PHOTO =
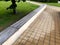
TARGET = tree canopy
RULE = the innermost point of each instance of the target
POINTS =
(45, 0)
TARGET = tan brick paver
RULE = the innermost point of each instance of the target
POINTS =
(45, 30)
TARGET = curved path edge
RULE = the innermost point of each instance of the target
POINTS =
(10, 34)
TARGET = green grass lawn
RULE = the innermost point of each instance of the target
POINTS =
(6, 16)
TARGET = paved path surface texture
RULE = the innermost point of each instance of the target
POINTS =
(45, 30)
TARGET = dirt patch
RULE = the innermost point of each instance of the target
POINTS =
(1, 28)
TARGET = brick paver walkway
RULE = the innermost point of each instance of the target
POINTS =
(45, 30)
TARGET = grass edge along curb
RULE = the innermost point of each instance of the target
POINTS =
(13, 38)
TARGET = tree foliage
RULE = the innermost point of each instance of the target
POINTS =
(45, 0)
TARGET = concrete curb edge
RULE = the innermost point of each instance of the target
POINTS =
(17, 34)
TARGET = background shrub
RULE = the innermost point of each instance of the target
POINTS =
(45, 0)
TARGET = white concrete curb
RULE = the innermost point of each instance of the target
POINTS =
(34, 2)
(14, 37)
(58, 1)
